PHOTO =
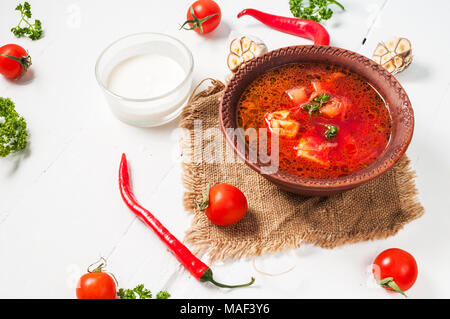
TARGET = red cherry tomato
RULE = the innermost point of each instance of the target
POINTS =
(203, 16)
(96, 285)
(227, 205)
(14, 61)
(398, 265)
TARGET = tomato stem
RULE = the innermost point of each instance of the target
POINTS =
(203, 204)
(196, 22)
(390, 284)
(100, 267)
(25, 62)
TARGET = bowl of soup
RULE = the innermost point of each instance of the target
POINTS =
(316, 120)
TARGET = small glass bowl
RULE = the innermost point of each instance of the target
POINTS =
(154, 110)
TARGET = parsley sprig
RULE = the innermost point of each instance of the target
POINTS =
(33, 31)
(311, 108)
(314, 106)
(316, 10)
(331, 131)
(322, 99)
(141, 292)
(162, 295)
(13, 129)
(316, 103)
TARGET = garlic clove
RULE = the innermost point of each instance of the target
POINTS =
(403, 46)
(390, 66)
(385, 58)
(236, 47)
(247, 56)
(234, 61)
(408, 59)
(380, 50)
(391, 44)
(258, 49)
(246, 44)
(398, 61)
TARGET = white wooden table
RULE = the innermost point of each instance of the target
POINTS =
(60, 207)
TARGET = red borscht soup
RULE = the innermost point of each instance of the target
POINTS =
(330, 122)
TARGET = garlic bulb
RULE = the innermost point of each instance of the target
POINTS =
(395, 55)
(243, 50)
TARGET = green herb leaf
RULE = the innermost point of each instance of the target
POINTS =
(316, 10)
(316, 104)
(126, 294)
(322, 99)
(138, 291)
(162, 295)
(331, 131)
(311, 108)
(13, 129)
(142, 292)
(33, 31)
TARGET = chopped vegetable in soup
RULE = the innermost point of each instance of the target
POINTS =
(329, 120)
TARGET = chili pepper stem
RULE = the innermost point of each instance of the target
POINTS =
(208, 276)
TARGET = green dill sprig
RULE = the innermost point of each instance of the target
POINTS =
(32, 31)
(316, 10)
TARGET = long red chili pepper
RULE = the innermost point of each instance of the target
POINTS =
(194, 265)
(301, 27)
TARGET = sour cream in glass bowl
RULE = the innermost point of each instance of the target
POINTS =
(146, 78)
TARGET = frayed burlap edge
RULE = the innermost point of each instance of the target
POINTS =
(409, 202)
(197, 236)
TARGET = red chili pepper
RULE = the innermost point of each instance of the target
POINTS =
(194, 265)
(301, 27)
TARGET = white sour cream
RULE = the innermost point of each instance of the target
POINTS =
(145, 76)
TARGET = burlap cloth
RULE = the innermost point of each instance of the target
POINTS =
(277, 220)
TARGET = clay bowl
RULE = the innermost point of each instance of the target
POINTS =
(393, 93)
